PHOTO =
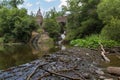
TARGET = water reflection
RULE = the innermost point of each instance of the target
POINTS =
(114, 60)
(13, 55)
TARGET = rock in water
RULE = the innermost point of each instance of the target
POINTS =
(114, 70)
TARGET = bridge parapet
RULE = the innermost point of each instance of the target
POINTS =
(61, 19)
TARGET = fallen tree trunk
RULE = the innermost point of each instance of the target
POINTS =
(103, 53)
(114, 70)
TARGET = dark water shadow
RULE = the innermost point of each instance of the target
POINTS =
(14, 55)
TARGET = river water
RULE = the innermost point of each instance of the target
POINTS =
(13, 55)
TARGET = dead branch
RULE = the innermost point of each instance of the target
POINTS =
(103, 53)
(63, 70)
(45, 75)
(58, 74)
(28, 78)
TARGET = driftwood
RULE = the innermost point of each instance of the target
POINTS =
(114, 70)
(28, 78)
(64, 70)
(62, 75)
(103, 53)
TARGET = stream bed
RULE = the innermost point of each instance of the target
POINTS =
(70, 64)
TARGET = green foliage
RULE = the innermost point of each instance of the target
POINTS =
(15, 3)
(40, 30)
(93, 42)
(1, 39)
(10, 3)
(16, 25)
(109, 13)
(83, 18)
(90, 26)
(52, 27)
(112, 30)
(108, 9)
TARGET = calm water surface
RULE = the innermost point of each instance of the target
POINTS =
(13, 55)
(114, 60)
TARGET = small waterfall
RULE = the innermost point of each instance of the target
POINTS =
(62, 36)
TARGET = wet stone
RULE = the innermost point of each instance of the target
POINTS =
(118, 78)
(102, 77)
(86, 75)
(99, 72)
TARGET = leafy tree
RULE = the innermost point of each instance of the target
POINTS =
(53, 28)
(108, 9)
(4, 3)
(16, 25)
(51, 25)
(111, 31)
(15, 3)
(10, 3)
(109, 13)
(83, 19)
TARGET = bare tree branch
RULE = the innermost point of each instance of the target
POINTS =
(28, 78)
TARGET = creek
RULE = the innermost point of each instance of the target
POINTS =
(60, 42)
(14, 55)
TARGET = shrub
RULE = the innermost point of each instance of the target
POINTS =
(112, 31)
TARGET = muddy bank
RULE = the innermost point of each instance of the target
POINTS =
(70, 64)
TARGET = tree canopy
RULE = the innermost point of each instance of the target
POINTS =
(51, 25)
(15, 3)
(15, 24)
(11, 3)
(109, 13)
(84, 16)
(108, 9)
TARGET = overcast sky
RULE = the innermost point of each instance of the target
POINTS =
(45, 5)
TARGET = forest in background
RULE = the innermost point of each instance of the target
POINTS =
(88, 22)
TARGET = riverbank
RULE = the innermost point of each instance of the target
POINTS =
(70, 64)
